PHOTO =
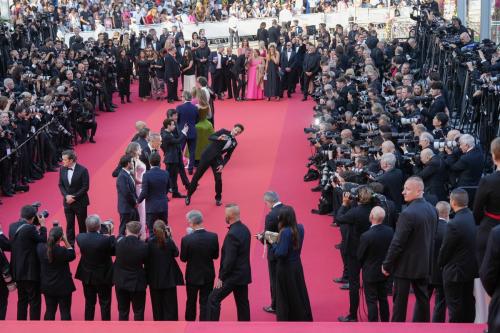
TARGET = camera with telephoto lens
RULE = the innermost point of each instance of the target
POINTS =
(107, 227)
(409, 121)
(44, 213)
(441, 144)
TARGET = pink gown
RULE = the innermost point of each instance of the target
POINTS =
(254, 91)
(140, 169)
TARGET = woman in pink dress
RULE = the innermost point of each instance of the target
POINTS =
(255, 83)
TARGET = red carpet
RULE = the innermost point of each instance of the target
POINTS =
(271, 154)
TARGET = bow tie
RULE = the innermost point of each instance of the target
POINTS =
(70, 169)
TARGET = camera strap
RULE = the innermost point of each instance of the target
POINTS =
(19, 229)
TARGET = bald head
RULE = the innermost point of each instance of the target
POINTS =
(426, 155)
(413, 189)
(443, 209)
(232, 213)
(377, 215)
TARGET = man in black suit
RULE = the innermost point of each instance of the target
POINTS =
(229, 76)
(155, 186)
(272, 202)
(458, 260)
(188, 114)
(234, 273)
(468, 167)
(129, 275)
(409, 256)
(287, 64)
(215, 156)
(181, 49)
(433, 174)
(490, 277)
(373, 246)
(438, 105)
(436, 282)
(172, 154)
(24, 237)
(274, 32)
(310, 68)
(392, 179)
(172, 73)
(199, 249)
(240, 71)
(262, 34)
(127, 195)
(215, 66)
(201, 58)
(95, 267)
(74, 187)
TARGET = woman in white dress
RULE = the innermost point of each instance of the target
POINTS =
(134, 150)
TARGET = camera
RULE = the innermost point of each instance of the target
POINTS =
(443, 144)
(409, 121)
(107, 227)
(43, 214)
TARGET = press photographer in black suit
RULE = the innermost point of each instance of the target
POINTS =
(74, 187)
(57, 283)
(234, 273)
(24, 237)
(199, 249)
(434, 175)
(373, 246)
(409, 256)
(129, 275)
(127, 195)
(490, 277)
(458, 260)
(392, 179)
(95, 268)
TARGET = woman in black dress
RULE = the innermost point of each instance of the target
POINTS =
(163, 273)
(56, 282)
(272, 73)
(123, 74)
(292, 299)
(143, 66)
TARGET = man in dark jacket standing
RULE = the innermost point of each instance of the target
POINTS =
(490, 277)
(373, 246)
(129, 275)
(234, 273)
(458, 260)
(410, 253)
(199, 249)
(95, 267)
(172, 155)
(188, 114)
(172, 73)
(127, 195)
(25, 267)
(310, 68)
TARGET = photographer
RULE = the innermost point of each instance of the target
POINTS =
(466, 165)
(391, 178)
(433, 173)
(24, 237)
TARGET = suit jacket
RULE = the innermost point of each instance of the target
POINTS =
(215, 150)
(127, 195)
(457, 256)
(128, 270)
(358, 220)
(274, 34)
(212, 67)
(155, 185)
(79, 186)
(490, 267)
(239, 65)
(373, 246)
(393, 186)
(311, 63)
(161, 267)
(199, 250)
(437, 271)
(188, 114)
(285, 62)
(171, 146)
(469, 167)
(411, 250)
(229, 63)
(435, 177)
(56, 276)
(271, 224)
(95, 266)
(172, 68)
(24, 239)
(263, 35)
(146, 152)
(235, 256)
(180, 54)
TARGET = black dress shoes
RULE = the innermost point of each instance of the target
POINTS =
(218, 203)
(269, 309)
(345, 286)
(178, 195)
(187, 200)
(347, 318)
(340, 280)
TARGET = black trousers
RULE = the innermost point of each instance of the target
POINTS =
(204, 165)
(420, 287)
(217, 81)
(439, 312)
(271, 265)
(191, 144)
(152, 217)
(460, 301)
(353, 270)
(231, 85)
(127, 217)
(28, 293)
(287, 83)
(192, 292)
(91, 292)
(307, 81)
(124, 86)
(164, 304)
(175, 170)
(376, 300)
(51, 304)
(242, 84)
(240, 297)
(4, 300)
(80, 213)
(172, 89)
(84, 127)
(125, 298)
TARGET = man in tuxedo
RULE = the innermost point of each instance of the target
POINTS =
(410, 253)
(287, 64)
(95, 267)
(74, 187)
(181, 49)
(458, 260)
(172, 73)
(229, 77)
(199, 249)
(152, 146)
(272, 201)
(372, 250)
(489, 274)
(215, 63)
(201, 58)
(155, 186)
(127, 195)
(392, 179)
(188, 114)
(174, 115)
(129, 275)
(240, 71)
(24, 237)
(234, 273)
(296, 29)
(310, 68)
(216, 156)
(171, 146)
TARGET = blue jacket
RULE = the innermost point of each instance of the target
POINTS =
(127, 196)
(188, 114)
(155, 185)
